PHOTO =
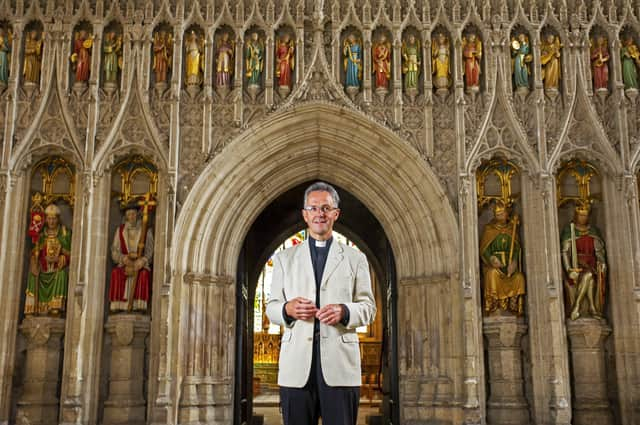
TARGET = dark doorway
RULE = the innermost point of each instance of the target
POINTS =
(279, 220)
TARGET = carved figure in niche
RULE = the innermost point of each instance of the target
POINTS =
(81, 57)
(112, 49)
(32, 57)
(352, 54)
(472, 53)
(584, 263)
(550, 60)
(381, 53)
(440, 65)
(162, 54)
(600, 63)
(132, 252)
(501, 254)
(194, 49)
(49, 263)
(630, 56)
(285, 60)
(5, 55)
(224, 61)
(411, 62)
(254, 59)
(521, 59)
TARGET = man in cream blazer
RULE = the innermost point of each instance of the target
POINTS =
(321, 292)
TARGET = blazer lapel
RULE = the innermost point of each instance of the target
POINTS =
(304, 260)
(333, 260)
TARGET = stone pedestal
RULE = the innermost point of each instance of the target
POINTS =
(39, 402)
(253, 90)
(284, 91)
(588, 371)
(506, 404)
(352, 91)
(126, 403)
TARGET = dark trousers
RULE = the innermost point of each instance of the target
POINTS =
(335, 405)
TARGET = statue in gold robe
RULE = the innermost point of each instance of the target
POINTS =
(550, 60)
(501, 254)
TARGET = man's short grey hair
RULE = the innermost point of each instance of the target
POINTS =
(322, 187)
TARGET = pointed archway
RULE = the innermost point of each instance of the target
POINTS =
(317, 142)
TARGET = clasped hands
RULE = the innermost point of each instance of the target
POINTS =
(133, 261)
(304, 309)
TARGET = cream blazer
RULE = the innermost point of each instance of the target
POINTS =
(346, 280)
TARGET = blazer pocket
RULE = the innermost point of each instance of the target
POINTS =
(350, 337)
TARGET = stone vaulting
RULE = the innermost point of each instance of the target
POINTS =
(407, 135)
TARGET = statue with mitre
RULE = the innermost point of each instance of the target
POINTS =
(132, 252)
(49, 262)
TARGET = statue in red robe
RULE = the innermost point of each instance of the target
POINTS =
(81, 57)
(132, 252)
(471, 54)
(600, 63)
(585, 265)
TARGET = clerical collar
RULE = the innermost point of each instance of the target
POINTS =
(320, 244)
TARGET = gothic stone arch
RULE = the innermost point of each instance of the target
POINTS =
(317, 141)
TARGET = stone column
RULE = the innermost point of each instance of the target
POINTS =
(507, 404)
(589, 374)
(39, 401)
(126, 402)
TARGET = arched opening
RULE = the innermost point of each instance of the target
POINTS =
(315, 142)
(379, 393)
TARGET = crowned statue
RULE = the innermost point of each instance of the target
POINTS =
(584, 263)
(501, 255)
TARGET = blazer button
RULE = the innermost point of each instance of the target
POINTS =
(309, 339)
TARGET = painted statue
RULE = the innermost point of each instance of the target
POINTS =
(352, 54)
(81, 57)
(194, 49)
(49, 266)
(381, 62)
(132, 252)
(224, 61)
(585, 265)
(472, 53)
(440, 64)
(162, 55)
(550, 61)
(600, 63)
(411, 62)
(254, 59)
(5, 55)
(521, 59)
(112, 59)
(285, 60)
(32, 57)
(501, 255)
(630, 57)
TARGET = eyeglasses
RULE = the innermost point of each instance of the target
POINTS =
(326, 209)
